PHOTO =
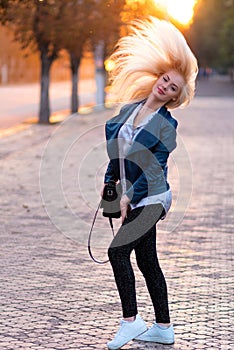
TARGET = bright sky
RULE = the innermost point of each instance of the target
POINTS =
(180, 10)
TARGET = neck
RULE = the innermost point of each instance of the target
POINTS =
(153, 104)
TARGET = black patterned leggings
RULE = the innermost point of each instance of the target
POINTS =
(138, 233)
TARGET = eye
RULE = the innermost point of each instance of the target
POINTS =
(165, 79)
(174, 88)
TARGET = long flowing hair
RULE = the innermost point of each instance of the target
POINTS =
(152, 48)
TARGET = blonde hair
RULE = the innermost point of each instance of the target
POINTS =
(152, 48)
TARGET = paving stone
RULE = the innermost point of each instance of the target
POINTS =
(53, 296)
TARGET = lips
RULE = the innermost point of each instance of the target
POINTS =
(160, 91)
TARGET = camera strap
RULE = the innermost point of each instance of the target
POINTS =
(90, 235)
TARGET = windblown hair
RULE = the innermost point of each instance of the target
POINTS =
(152, 48)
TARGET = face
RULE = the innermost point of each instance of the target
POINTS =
(168, 86)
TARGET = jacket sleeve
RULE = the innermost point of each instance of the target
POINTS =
(168, 135)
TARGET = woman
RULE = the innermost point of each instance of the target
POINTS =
(155, 70)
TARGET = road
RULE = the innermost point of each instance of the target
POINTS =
(20, 102)
(53, 296)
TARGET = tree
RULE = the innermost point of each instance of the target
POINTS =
(226, 47)
(211, 32)
(27, 20)
(105, 31)
(46, 37)
(68, 26)
(76, 19)
(204, 31)
(110, 22)
(142, 8)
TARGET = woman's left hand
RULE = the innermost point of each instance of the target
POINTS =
(124, 202)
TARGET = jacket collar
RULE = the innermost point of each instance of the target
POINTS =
(149, 133)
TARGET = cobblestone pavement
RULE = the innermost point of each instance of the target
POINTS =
(53, 296)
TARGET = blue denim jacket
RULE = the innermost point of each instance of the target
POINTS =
(146, 161)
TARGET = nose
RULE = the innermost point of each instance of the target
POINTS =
(164, 86)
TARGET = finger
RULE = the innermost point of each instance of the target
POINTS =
(124, 214)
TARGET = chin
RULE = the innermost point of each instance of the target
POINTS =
(159, 97)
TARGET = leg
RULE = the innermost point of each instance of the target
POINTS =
(147, 260)
(132, 234)
(119, 255)
(133, 231)
(124, 278)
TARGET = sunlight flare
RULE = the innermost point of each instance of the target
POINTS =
(181, 10)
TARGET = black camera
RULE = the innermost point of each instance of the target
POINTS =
(111, 200)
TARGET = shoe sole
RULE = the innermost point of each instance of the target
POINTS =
(155, 340)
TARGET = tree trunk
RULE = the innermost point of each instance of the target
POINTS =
(75, 63)
(44, 112)
(100, 75)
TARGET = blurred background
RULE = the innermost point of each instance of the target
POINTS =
(48, 41)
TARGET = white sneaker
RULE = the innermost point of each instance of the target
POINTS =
(158, 335)
(127, 332)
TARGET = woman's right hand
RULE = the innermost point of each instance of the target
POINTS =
(124, 202)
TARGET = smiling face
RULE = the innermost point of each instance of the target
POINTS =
(168, 86)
